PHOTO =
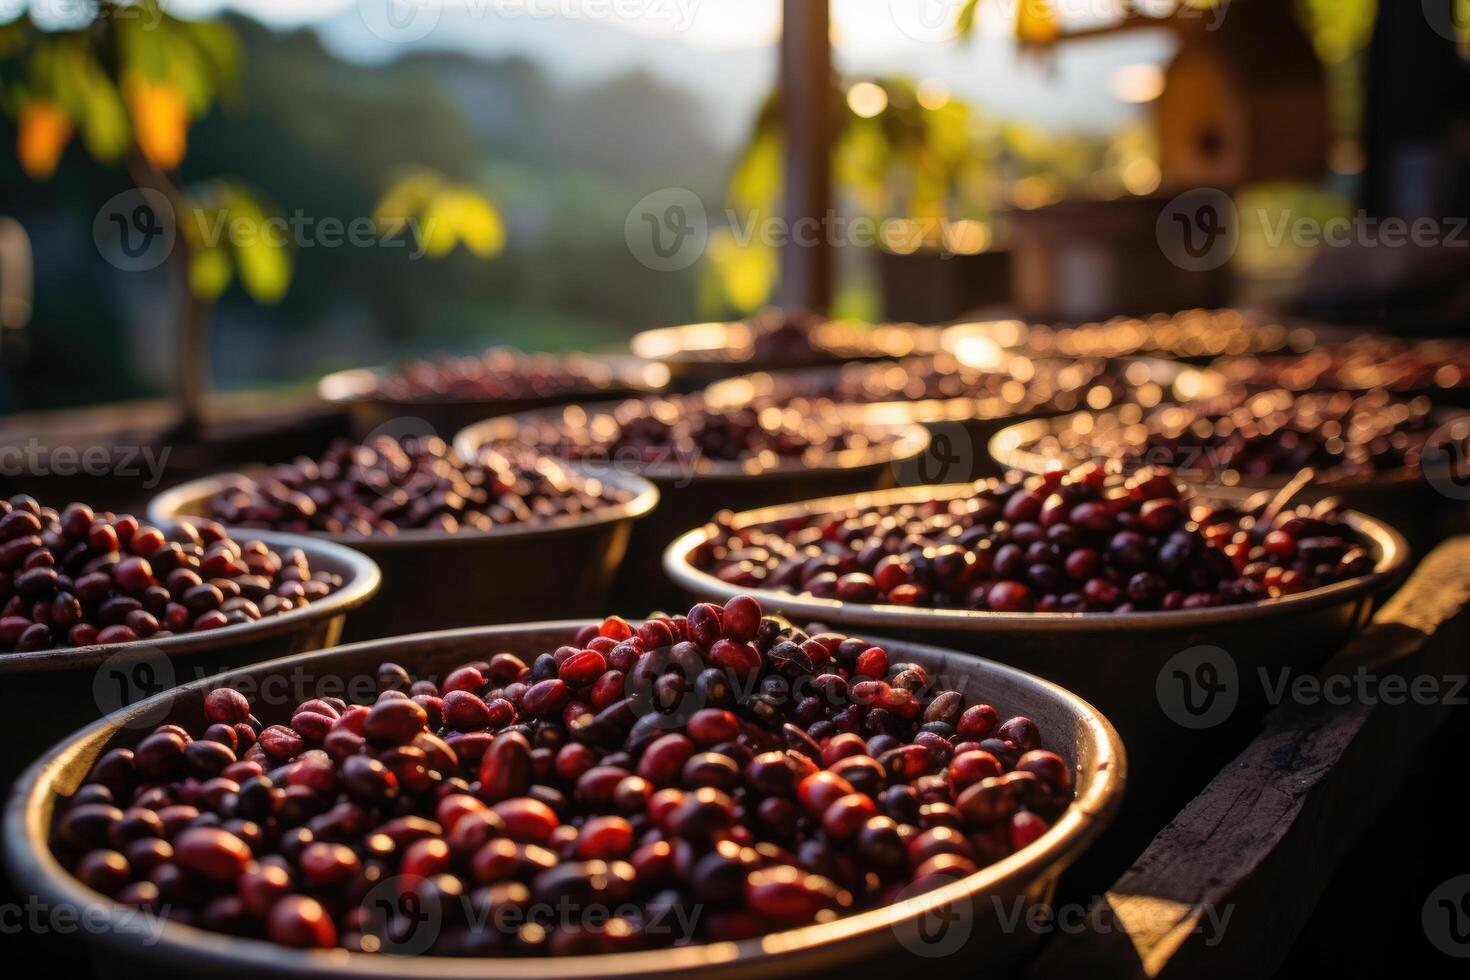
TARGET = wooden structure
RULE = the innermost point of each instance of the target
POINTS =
(807, 120)
(1245, 101)
(1262, 841)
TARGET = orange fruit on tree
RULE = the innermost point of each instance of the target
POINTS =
(160, 121)
(43, 133)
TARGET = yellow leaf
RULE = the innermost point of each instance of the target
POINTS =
(265, 269)
(1036, 22)
(160, 121)
(406, 199)
(441, 214)
(209, 273)
(439, 232)
(43, 133)
(480, 227)
(746, 273)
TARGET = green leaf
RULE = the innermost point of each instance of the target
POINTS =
(106, 130)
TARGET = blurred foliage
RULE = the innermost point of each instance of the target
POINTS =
(924, 157)
(165, 104)
(135, 78)
(1036, 21)
(1339, 28)
(132, 79)
(563, 163)
(233, 235)
(442, 214)
(130, 76)
(1268, 248)
(1340, 31)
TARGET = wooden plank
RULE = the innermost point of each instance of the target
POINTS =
(1225, 888)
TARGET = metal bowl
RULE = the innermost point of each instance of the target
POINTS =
(1197, 336)
(355, 391)
(1117, 661)
(434, 580)
(964, 920)
(690, 495)
(1409, 499)
(698, 354)
(964, 427)
(47, 693)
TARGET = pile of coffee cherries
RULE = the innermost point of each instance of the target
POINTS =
(417, 482)
(714, 776)
(1255, 435)
(1020, 386)
(1394, 364)
(689, 431)
(78, 577)
(778, 336)
(781, 338)
(1188, 333)
(1063, 542)
(496, 375)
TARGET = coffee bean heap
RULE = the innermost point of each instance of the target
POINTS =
(76, 577)
(715, 776)
(1256, 435)
(688, 430)
(1063, 542)
(413, 483)
(496, 375)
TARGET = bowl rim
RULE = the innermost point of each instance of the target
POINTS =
(29, 859)
(911, 440)
(1009, 448)
(362, 581)
(1014, 333)
(168, 506)
(356, 386)
(1393, 552)
(964, 408)
(661, 345)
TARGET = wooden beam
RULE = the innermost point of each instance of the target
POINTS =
(1226, 887)
(806, 100)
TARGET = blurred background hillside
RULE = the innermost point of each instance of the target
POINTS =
(564, 122)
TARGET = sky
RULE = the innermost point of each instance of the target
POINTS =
(722, 50)
(862, 24)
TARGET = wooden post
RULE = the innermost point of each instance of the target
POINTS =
(806, 94)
